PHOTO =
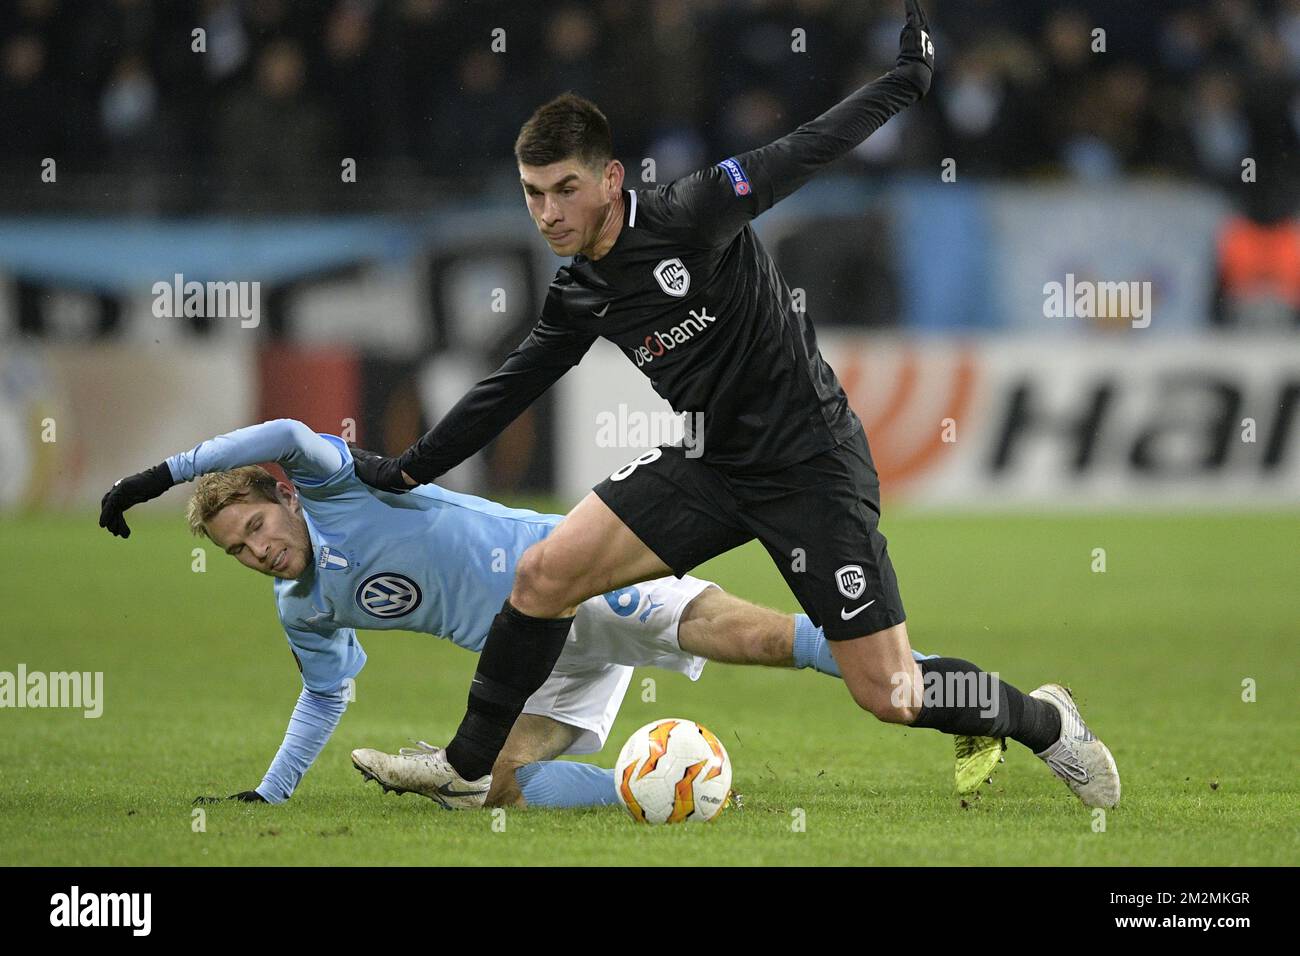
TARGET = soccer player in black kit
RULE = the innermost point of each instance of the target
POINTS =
(677, 279)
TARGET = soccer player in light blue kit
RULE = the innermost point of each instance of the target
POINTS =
(347, 556)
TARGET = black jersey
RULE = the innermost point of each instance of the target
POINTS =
(696, 304)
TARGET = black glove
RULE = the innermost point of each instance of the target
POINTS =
(129, 491)
(378, 471)
(245, 796)
(915, 49)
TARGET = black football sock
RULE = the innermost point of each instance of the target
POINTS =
(518, 656)
(959, 698)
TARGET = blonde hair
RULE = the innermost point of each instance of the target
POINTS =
(215, 491)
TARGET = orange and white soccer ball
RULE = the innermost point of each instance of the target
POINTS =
(673, 771)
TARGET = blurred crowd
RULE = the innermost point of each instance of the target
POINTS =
(282, 89)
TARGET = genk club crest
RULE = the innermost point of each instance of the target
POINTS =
(673, 277)
(851, 581)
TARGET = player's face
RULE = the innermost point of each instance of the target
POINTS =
(570, 202)
(270, 537)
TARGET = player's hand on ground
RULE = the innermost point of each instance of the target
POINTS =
(916, 49)
(379, 471)
(129, 491)
(244, 796)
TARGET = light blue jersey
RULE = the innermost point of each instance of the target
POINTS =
(431, 560)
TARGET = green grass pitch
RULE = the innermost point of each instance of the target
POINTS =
(199, 683)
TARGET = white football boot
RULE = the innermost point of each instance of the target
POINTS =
(424, 770)
(1078, 757)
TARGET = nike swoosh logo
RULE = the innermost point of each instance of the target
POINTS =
(446, 791)
(601, 313)
(846, 615)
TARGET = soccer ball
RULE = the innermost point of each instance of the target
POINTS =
(673, 771)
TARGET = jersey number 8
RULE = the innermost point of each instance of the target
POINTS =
(652, 455)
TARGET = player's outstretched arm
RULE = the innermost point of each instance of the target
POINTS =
(719, 200)
(326, 661)
(311, 725)
(483, 413)
(915, 49)
(304, 454)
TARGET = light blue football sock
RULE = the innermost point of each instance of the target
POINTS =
(562, 783)
(811, 649)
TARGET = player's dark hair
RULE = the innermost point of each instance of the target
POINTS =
(568, 126)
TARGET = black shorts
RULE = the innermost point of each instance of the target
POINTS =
(818, 520)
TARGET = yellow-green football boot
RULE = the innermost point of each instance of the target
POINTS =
(977, 758)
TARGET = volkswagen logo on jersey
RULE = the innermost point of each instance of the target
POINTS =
(673, 277)
(388, 595)
(851, 581)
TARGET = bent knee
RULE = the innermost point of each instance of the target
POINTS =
(888, 703)
(530, 571)
(545, 585)
(541, 587)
